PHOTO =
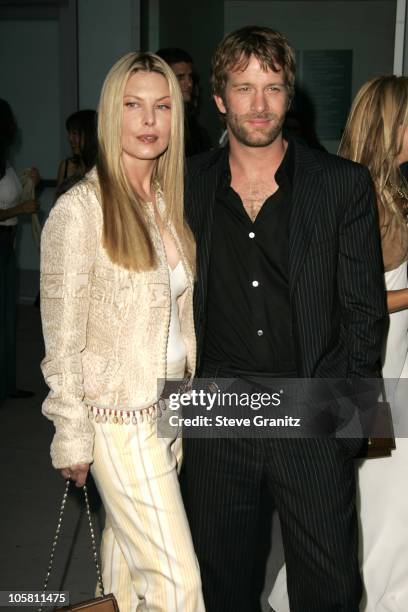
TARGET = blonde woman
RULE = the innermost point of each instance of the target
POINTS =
(376, 135)
(116, 290)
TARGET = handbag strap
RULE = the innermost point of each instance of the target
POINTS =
(57, 532)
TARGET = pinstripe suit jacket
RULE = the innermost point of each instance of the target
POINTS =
(335, 267)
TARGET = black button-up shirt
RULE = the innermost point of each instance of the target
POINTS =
(249, 325)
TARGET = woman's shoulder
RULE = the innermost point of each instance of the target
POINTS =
(10, 173)
(82, 200)
(84, 190)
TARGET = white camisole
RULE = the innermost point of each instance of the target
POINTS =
(176, 350)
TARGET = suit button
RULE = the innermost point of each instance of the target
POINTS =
(255, 283)
(260, 332)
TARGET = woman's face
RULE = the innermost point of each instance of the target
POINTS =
(146, 117)
(74, 138)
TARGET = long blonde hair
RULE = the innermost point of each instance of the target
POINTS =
(373, 135)
(126, 236)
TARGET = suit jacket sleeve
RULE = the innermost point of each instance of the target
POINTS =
(360, 279)
(67, 255)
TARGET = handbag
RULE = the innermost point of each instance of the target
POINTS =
(374, 447)
(104, 603)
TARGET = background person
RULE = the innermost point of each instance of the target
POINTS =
(376, 135)
(116, 299)
(197, 139)
(81, 131)
(11, 208)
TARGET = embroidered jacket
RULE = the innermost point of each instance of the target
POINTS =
(105, 328)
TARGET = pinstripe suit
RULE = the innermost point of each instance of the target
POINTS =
(338, 313)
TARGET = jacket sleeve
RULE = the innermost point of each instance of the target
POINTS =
(68, 249)
(361, 280)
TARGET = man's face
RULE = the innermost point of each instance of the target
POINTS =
(184, 74)
(255, 102)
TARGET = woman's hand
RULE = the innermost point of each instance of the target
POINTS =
(77, 473)
(28, 207)
(34, 175)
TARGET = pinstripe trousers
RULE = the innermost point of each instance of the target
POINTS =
(313, 488)
(148, 560)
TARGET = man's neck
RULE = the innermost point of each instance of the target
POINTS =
(253, 173)
(249, 162)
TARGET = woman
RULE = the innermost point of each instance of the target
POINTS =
(376, 135)
(11, 207)
(81, 129)
(116, 292)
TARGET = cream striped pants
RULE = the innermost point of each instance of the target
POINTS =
(148, 560)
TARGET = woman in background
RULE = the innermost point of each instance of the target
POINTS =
(11, 207)
(376, 135)
(116, 299)
(81, 129)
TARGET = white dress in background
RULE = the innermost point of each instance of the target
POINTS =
(383, 483)
(382, 489)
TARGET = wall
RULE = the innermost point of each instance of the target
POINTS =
(365, 26)
(196, 27)
(403, 43)
(30, 83)
(37, 49)
(106, 31)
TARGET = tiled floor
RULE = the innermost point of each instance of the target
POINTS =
(32, 491)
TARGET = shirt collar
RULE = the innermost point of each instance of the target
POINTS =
(284, 174)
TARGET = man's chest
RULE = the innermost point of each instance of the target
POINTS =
(253, 194)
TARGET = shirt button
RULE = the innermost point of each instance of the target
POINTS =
(260, 332)
(255, 283)
(251, 234)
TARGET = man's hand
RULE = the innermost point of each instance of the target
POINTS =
(77, 473)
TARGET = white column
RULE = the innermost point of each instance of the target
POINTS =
(400, 28)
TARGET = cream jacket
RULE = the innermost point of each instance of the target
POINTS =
(105, 328)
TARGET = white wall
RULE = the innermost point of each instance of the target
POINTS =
(365, 26)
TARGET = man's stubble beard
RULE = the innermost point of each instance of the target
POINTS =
(254, 138)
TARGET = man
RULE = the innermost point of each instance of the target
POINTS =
(196, 137)
(289, 284)
(182, 65)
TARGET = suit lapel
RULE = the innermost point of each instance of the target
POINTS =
(203, 194)
(306, 199)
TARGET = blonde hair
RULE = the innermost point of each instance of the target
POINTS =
(126, 235)
(373, 135)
